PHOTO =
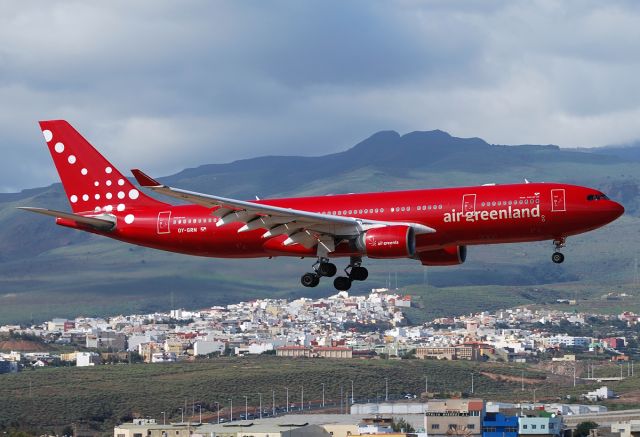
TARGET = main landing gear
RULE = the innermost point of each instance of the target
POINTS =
(354, 272)
(321, 268)
(558, 257)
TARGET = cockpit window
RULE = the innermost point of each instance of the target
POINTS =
(598, 196)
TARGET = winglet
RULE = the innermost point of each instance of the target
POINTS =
(144, 180)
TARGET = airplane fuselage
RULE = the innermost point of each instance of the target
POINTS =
(463, 216)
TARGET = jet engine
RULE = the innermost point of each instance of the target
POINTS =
(447, 256)
(388, 242)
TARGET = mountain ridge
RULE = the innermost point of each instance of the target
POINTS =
(42, 262)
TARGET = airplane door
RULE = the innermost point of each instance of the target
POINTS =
(163, 222)
(468, 203)
(558, 200)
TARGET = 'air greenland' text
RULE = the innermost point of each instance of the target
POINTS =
(509, 213)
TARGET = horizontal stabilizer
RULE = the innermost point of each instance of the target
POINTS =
(97, 223)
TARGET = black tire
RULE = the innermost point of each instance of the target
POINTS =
(557, 257)
(342, 283)
(327, 269)
(359, 273)
(309, 280)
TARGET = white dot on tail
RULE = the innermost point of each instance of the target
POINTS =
(108, 208)
(121, 182)
(108, 170)
(109, 196)
(59, 147)
(108, 183)
(73, 198)
(129, 218)
(85, 197)
(121, 195)
(121, 207)
(48, 136)
(71, 159)
(133, 194)
(97, 209)
(84, 171)
(97, 197)
(96, 183)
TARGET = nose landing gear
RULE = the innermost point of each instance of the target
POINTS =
(558, 257)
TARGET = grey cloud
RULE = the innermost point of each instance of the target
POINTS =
(164, 85)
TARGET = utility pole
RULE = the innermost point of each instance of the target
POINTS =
(522, 381)
(341, 399)
(218, 408)
(352, 400)
(231, 410)
(246, 408)
(574, 375)
(323, 395)
(287, 389)
(260, 396)
(302, 398)
(386, 389)
(273, 400)
(426, 384)
(471, 382)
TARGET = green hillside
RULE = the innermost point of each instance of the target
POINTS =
(48, 271)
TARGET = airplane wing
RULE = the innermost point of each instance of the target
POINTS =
(302, 227)
(97, 223)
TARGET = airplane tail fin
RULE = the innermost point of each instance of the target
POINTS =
(92, 183)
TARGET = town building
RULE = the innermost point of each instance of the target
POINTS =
(85, 359)
(545, 425)
(499, 425)
(454, 416)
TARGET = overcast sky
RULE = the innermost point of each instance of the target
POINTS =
(168, 85)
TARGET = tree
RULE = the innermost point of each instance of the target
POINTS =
(583, 428)
(402, 426)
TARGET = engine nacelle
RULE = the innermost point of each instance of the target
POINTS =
(388, 242)
(447, 256)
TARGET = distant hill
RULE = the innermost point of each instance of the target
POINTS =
(41, 262)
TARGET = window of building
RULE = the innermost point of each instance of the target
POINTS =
(534, 426)
(551, 425)
(542, 427)
(525, 426)
(471, 426)
(435, 426)
(137, 434)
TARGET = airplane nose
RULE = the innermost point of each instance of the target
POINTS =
(614, 210)
(618, 209)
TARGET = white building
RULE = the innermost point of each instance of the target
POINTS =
(204, 347)
(599, 394)
(84, 359)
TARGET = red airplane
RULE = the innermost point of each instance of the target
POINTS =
(433, 226)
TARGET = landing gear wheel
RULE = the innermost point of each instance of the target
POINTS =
(342, 283)
(327, 269)
(359, 273)
(557, 257)
(310, 280)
